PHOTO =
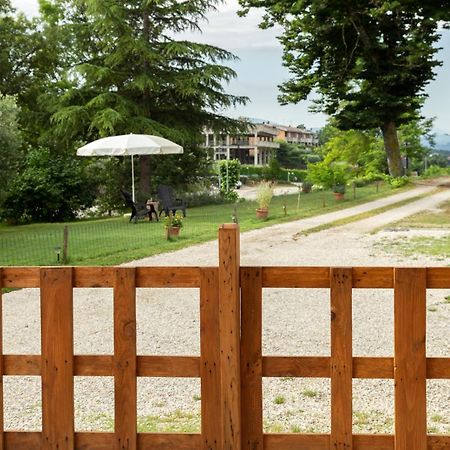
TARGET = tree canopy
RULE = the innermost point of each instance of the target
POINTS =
(369, 60)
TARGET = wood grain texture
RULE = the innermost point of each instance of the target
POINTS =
(296, 366)
(251, 359)
(341, 358)
(410, 359)
(57, 358)
(229, 327)
(296, 277)
(104, 441)
(125, 383)
(21, 277)
(438, 277)
(210, 361)
(2, 369)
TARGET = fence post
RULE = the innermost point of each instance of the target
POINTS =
(57, 358)
(410, 359)
(210, 360)
(1, 363)
(125, 360)
(341, 358)
(229, 330)
(251, 359)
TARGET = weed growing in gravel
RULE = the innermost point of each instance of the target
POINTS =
(310, 393)
(447, 299)
(296, 429)
(197, 397)
(177, 422)
(432, 308)
(438, 418)
(279, 400)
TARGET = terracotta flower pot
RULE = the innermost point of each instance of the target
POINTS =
(173, 231)
(262, 213)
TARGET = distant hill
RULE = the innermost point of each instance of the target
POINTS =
(442, 142)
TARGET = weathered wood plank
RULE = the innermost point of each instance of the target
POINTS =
(210, 360)
(296, 277)
(229, 327)
(2, 369)
(410, 359)
(251, 359)
(125, 383)
(20, 277)
(104, 441)
(341, 358)
(438, 277)
(373, 277)
(57, 358)
(160, 277)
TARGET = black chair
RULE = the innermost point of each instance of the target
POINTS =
(169, 202)
(138, 210)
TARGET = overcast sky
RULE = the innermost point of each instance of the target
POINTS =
(260, 70)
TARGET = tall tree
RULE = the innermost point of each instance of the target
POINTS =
(10, 142)
(133, 75)
(369, 59)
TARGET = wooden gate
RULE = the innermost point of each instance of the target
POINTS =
(231, 365)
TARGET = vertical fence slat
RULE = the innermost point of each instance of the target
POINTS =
(410, 359)
(229, 328)
(125, 384)
(251, 359)
(210, 360)
(341, 358)
(2, 426)
(57, 358)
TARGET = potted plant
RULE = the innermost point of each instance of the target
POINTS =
(339, 191)
(263, 198)
(306, 186)
(172, 224)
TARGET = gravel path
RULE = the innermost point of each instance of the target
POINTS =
(296, 322)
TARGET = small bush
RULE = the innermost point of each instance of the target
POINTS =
(397, 182)
(436, 171)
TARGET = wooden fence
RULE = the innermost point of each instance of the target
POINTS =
(231, 365)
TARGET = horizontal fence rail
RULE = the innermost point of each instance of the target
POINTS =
(231, 365)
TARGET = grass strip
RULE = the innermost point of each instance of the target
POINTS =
(361, 216)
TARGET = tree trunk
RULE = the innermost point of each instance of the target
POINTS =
(144, 160)
(392, 147)
(144, 174)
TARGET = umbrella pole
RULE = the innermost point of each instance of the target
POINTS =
(132, 178)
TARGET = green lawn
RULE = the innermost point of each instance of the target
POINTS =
(115, 240)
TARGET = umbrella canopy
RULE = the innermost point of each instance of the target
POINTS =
(130, 145)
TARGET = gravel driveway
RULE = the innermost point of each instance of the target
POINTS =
(295, 322)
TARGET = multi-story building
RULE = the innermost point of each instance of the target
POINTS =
(256, 147)
(297, 135)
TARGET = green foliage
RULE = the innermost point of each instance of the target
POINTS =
(273, 170)
(292, 156)
(370, 61)
(328, 175)
(48, 188)
(10, 141)
(256, 173)
(397, 182)
(435, 171)
(173, 220)
(229, 171)
(264, 194)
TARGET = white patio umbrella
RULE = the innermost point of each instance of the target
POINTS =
(130, 145)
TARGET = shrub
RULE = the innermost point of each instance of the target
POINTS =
(229, 176)
(50, 188)
(264, 195)
(435, 171)
(397, 182)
